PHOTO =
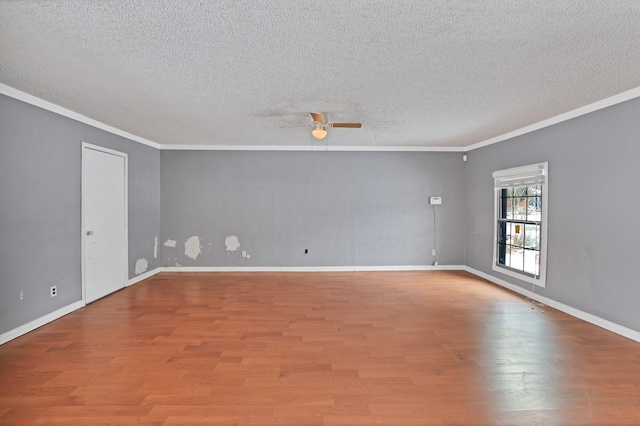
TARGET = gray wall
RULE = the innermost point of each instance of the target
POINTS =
(346, 208)
(40, 176)
(594, 234)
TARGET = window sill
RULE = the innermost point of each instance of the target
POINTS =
(540, 282)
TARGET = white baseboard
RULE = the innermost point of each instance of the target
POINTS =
(410, 268)
(310, 268)
(39, 322)
(600, 322)
(144, 276)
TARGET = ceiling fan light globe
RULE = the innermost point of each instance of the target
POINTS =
(319, 133)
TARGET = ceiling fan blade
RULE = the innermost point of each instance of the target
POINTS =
(350, 125)
(317, 117)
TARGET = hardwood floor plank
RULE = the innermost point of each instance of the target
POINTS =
(352, 348)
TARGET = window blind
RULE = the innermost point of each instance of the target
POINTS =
(519, 176)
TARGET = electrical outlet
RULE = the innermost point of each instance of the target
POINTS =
(244, 253)
(54, 291)
(21, 294)
(306, 251)
(433, 252)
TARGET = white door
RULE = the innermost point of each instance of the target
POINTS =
(104, 221)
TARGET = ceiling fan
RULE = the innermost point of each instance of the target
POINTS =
(320, 122)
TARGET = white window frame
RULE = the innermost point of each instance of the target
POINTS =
(521, 176)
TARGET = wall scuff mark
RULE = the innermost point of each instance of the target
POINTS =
(155, 249)
(141, 266)
(192, 247)
(232, 243)
(170, 243)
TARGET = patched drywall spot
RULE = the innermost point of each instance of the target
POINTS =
(232, 243)
(155, 249)
(141, 266)
(192, 247)
(170, 243)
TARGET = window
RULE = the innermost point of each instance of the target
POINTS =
(520, 220)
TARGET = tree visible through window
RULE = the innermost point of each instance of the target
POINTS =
(519, 224)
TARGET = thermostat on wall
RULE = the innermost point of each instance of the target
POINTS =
(435, 201)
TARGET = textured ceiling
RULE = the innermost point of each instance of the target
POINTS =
(446, 73)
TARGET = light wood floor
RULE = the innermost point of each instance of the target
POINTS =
(384, 348)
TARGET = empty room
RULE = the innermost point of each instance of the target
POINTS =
(329, 213)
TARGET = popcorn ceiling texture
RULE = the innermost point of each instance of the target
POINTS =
(415, 73)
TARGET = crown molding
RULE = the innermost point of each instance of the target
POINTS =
(333, 148)
(41, 103)
(601, 104)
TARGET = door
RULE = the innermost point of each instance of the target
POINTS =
(104, 221)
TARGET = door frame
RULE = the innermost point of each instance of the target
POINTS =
(86, 145)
